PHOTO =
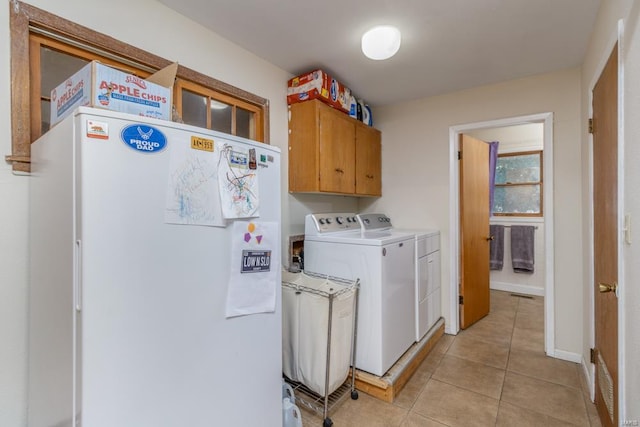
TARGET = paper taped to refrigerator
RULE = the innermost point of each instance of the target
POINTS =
(192, 191)
(255, 262)
(238, 183)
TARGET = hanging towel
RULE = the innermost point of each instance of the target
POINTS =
(522, 248)
(496, 247)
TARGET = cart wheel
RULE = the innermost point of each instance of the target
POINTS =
(327, 422)
(354, 395)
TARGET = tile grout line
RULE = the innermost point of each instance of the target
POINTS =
(508, 358)
(504, 379)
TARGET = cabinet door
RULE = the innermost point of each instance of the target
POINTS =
(368, 161)
(303, 147)
(337, 152)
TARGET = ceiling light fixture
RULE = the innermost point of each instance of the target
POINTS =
(381, 42)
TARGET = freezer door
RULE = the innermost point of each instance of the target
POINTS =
(156, 348)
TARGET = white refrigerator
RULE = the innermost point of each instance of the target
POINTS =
(133, 256)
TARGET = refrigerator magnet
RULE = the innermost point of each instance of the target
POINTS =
(202, 144)
(99, 130)
(143, 138)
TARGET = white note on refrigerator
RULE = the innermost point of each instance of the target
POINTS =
(255, 262)
(239, 195)
(192, 190)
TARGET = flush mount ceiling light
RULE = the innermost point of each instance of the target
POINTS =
(381, 42)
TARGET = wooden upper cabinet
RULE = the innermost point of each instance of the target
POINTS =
(368, 161)
(337, 152)
(328, 151)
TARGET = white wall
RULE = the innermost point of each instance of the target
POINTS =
(415, 172)
(150, 26)
(527, 137)
(602, 39)
(523, 283)
(13, 260)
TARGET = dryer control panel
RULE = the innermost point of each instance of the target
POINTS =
(374, 222)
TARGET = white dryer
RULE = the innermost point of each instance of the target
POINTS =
(427, 287)
(427, 272)
(384, 261)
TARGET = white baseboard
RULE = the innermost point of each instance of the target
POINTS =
(588, 370)
(567, 355)
(449, 330)
(518, 289)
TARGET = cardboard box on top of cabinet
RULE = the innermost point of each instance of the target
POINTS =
(97, 85)
(318, 85)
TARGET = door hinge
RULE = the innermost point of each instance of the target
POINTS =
(590, 125)
(459, 155)
(460, 299)
(592, 355)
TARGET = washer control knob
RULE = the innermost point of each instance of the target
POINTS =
(339, 220)
(328, 220)
(366, 221)
(321, 220)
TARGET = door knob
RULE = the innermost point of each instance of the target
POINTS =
(490, 238)
(605, 287)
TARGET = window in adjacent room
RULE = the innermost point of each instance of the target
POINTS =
(519, 184)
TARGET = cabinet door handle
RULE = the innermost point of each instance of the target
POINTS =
(370, 176)
(339, 170)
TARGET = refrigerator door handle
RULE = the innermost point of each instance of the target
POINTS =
(77, 283)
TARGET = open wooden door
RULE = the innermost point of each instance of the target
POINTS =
(605, 243)
(474, 230)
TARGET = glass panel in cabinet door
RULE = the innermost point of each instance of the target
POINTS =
(244, 123)
(55, 68)
(220, 116)
(194, 109)
(45, 111)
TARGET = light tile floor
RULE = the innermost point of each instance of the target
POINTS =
(492, 374)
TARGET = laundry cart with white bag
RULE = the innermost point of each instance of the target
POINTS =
(318, 338)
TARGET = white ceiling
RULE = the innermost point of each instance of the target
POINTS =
(447, 45)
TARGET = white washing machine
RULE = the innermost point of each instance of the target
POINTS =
(427, 272)
(383, 260)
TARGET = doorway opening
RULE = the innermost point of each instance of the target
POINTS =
(482, 128)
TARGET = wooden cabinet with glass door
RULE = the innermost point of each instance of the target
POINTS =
(329, 150)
